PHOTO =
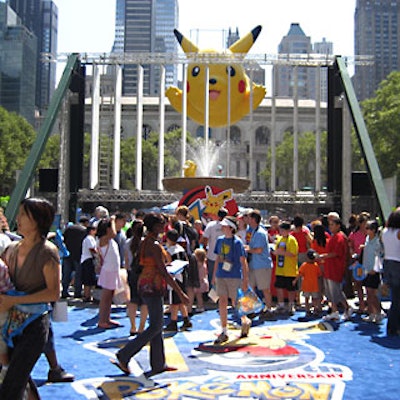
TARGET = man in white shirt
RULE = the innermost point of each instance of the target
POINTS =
(212, 231)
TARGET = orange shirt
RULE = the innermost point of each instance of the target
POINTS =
(310, 272)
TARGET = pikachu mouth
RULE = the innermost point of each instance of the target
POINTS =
(214, 94)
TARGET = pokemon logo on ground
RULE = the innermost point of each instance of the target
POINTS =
(229, 87)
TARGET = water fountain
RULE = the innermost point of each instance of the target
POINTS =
(204, 168)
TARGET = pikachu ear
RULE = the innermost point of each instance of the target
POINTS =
(186, 44)
(244, 44)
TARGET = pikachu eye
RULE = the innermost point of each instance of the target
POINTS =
(230, 71)
(195, 71)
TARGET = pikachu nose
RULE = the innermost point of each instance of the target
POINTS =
(213, 81)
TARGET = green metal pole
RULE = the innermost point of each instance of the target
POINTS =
(39, 145)
(365, 141)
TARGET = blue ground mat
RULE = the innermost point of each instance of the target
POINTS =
(290, 358)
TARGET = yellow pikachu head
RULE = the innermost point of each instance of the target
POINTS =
(225, 80)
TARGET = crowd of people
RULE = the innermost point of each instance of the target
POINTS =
(173, 262)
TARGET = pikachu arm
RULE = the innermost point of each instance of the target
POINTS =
(258, 95)
(175, 97)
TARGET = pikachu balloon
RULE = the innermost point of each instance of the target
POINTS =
(238, 90)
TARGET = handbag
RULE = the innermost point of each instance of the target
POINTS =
(60, 311)
(122, 292)
(247, 302)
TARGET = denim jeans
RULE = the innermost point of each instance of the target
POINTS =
(71, 268)
(27, 349)
(391, 276)
(152, 334)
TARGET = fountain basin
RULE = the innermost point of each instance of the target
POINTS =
(180, 184)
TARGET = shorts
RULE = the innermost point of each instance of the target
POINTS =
(334, 292)
(260, 278)
(133, 278)
(285, 282)
(227, 287)
(372, 281)
(3, 344)
(175, 298)
(88, 274)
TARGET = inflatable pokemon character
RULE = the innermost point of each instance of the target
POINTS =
(219, 88)
(189, 168)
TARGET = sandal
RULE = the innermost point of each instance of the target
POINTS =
(121, 365)
(106, 326)
(152, 372)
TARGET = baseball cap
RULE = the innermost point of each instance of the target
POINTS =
(222, 212)
(228, 222)
(245, 212)
(285, 225)
(311, 254)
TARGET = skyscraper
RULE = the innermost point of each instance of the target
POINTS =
(18, 54)
(149, 26)
(377, 33)
(295, 42)
(325, 48)
(118, 46)
(41, 18)
(256, 73)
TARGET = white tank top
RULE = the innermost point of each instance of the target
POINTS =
(391, 244)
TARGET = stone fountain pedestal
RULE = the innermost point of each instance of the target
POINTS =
(179, 184)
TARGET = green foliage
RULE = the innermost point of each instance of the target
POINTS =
(306, 157)
(4, 201)
(382, 117)
(150, 148)
(128, 163)
(16, 139)
(51, 155)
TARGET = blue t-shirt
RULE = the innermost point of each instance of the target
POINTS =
(230, 250)
(259, 239)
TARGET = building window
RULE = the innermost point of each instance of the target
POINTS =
(262, 135)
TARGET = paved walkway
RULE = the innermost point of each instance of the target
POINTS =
(291, 358)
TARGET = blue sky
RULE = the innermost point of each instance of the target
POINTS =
(88, 25)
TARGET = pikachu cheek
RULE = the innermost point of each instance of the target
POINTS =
(187, 86)
(241, 86)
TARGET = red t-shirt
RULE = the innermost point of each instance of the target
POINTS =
(335, 266)
(301, 238)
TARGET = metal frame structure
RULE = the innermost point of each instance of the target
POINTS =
(250, 61)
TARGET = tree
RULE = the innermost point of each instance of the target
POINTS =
(51, 154)
(382, 117)
(306, 156)
(172, 156)
(16, 136)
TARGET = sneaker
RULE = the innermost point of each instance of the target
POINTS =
(59, 375)
(267, 315)
(378, 318)
(281, 310)
(222, 338)
(186, 325)
(333, 316)
(369, 318)
(171, 327)
(347, 314)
